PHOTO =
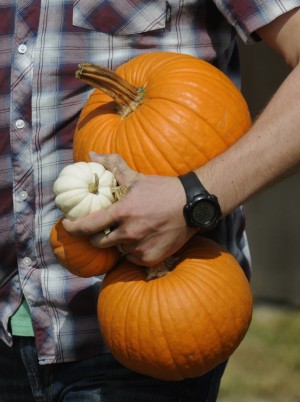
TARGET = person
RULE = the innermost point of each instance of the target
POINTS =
(51, 347)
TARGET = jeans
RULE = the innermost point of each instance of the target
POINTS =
(100, 378)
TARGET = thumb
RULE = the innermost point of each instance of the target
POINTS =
(117, 165)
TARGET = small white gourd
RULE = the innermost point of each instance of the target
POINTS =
(84, 187)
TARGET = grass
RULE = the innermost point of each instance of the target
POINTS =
(266, 366)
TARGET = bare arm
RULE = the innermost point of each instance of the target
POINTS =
(149, 220)
(271, 149)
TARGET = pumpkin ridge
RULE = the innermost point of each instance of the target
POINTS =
(113, 338)
(224, 278)
(216, 274)
(154, 291)
(168, 157)
(134, 300)
(162, 64)
(219, 135)
(162, 151)
(107, 134)
(208, 316)
(228, 88)
(237, 295)
(149, 66)
(232, 95)
(131, 150)
(217, 80)
(137, 148)
(194, 140)
(131, 288)
(221, 274)
(244, 304)
(162, 321)
(179, 290)
(89, 141)
(148, 288)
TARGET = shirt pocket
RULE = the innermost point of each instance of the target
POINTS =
(120, 17)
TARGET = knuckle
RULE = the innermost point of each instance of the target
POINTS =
(121, 212)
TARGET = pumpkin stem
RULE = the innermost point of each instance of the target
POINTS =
(93, 187)
(119, 192)
(126, 95)
(161, 269)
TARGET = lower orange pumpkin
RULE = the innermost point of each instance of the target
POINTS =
(180, 325)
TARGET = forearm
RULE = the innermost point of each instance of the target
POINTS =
(268, 152)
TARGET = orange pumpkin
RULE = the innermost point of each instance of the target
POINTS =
(77, 254)
(180, 325)
(164, 113)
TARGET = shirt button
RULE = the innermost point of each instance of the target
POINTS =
(22, 48)
(23, 195)
(20, 123)
(27, 261)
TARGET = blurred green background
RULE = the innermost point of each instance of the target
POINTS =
(266, 366)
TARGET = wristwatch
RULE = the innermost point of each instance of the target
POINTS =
(202, 210)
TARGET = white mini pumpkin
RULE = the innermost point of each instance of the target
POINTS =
(82, 188)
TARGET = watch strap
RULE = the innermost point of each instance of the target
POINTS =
(192, 185)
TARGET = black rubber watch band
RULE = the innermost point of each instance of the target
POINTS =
(192, 185)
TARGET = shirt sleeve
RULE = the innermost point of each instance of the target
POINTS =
(246, 16)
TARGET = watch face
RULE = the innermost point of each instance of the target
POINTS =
(203, 212)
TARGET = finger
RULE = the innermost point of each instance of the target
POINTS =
(117, 165)
(98, 240)
(114, 238)
(102, 240)
(90, 224)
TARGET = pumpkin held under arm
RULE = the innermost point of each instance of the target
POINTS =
(165, 114)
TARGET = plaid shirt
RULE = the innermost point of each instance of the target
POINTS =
(41, 44)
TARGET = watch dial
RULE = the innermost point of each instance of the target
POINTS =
(203, 212)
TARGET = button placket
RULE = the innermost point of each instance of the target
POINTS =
(21, 135)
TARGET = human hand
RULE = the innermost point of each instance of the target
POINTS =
(148, 222)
